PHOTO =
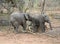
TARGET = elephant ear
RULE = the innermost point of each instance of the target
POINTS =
(26, 16)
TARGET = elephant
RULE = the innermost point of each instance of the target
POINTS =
(16, 19)
(39, 21)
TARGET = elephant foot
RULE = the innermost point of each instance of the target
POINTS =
(15, 32)
(24, 31)
(43, 31)
(33, 31)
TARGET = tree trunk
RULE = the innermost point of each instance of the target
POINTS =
(43, 5)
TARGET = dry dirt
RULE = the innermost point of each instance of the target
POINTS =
(28, 38)
(24, 38)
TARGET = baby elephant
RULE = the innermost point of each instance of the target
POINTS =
(16, 19)
(39, 21)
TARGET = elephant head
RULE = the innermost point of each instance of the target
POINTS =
(46, 19)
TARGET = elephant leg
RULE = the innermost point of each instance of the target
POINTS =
(42, 27)
(35, 28)
(16, 26)
(24, 27)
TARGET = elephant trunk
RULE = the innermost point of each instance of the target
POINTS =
(50, 25)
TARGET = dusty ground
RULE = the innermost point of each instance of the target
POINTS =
(28, 38)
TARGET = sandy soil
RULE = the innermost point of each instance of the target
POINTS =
(24, 38)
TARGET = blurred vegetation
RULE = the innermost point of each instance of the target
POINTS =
(33, 6)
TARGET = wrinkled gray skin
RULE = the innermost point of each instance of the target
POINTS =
(16, 19)
(39, 21)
